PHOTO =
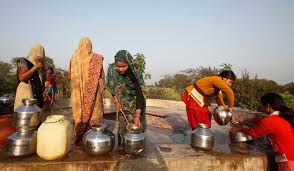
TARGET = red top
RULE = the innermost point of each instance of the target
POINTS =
(281, 134)
(51, 78)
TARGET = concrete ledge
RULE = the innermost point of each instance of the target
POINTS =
(178, 157)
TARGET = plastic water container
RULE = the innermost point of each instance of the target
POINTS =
(54, 137)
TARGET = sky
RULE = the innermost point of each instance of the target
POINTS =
(252, 35)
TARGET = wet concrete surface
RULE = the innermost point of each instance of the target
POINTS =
(168, 136)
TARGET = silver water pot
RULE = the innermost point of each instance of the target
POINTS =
(6, 100)
(239, 137)
(221, 116)
(27, 116)
(21, 144)
(202, 137)
(98, 140)
(134, 140)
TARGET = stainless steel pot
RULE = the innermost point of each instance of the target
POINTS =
(241, 136)
(27, 116)
(221, 116)
(98, 140)
(134, 140)
(6, 100)
(202, 137)
(21, 145)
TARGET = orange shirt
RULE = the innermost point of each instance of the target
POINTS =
(209, 85)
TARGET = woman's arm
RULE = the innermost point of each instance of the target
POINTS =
(117, 103)
(24, 74)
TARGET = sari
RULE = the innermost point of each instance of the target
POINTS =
(87, 87)
(122, 87)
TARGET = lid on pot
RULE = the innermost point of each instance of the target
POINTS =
(54, 118)
(132, 128)
(29, 106)
(18, 139)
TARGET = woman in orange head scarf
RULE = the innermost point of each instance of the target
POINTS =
(87, 86)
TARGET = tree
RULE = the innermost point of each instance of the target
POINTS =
(226, 66)
(7, 78)
(140, 63)
(48, 62)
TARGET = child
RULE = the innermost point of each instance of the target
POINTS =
(279, 128)
(197, 95)
(48, 95)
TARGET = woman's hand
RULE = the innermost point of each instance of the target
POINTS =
(118, 106)
(235, 129)
(137, 120)
(39, 65)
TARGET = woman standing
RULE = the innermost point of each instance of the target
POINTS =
(124, 82)
(87, 86)
(197, 95)
(29, 76)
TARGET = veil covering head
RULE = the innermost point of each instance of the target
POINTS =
(36, 53)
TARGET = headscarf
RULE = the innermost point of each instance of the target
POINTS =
(124, 55)
(36, 53)
(85, 72)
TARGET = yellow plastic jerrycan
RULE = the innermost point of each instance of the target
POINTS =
(54, 137)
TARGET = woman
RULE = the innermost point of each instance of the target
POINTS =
(197, 96)
(124, 82)
(29, 77)
(87, 86)
(279, 126)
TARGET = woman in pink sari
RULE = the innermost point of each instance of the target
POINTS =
(87, 86)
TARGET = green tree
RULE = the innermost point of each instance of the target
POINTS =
(48, 62)
(7, 78)
(140, 63)
(226, 66)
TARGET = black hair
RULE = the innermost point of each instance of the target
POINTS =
(51, 69)
(277, 103)
(229, 74)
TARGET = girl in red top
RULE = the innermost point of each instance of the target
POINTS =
(279, 128)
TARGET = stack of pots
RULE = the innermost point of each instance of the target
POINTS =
(24, 141)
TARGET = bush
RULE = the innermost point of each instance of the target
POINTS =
(152, 92)
(288, 99)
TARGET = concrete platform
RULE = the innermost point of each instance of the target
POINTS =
(167, 148)
(161, 157)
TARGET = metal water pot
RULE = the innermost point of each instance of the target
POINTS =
(6, 100)
(98, 140)
(241, 136)
(134, 140)
(21, 144)
(27, 116)
(221, 116)
(202, 137)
